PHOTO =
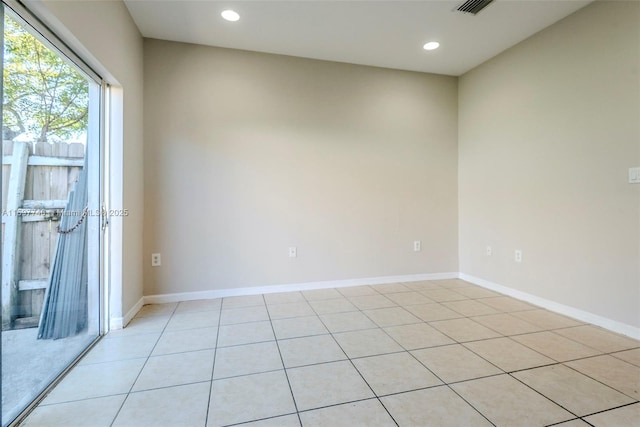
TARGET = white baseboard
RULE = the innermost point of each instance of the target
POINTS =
(308, 286)
(583, 316)
(121, 322)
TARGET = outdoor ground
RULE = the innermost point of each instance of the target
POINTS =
(29, 364)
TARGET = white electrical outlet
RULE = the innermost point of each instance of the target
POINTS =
(417, 246)
(634, 175)
(489, 251)
(518, 255)
(156, 260)
(293, 252)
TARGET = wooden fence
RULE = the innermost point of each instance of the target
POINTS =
(36, 181)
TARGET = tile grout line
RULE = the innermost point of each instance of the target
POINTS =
(284, 368)
(566, 421)
(448, 385)
(468, 317)
(84, 399)
(213, 364)
(611, 409)
(599, 354)
(483, 358)
(509, 338)
(586, 345)
(509, 373)
(534, 367)
(564, 363)
(333, 405)
(164, 387)
(613, 354)
(164, 328)
(244, 423)
(232, 377)
(499, 368)
(600, 382)
(407, 351)
(354, 366)
(404, 350)
(540, 393)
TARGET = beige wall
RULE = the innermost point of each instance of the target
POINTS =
(247, 154)
(104, 32)
(547, 132)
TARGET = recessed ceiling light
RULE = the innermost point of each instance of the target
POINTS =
(230, 15)
(431, 46)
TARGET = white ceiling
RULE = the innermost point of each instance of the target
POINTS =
(379, 33)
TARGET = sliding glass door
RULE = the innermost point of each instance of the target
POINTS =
(51, 212)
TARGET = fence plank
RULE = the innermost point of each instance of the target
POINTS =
(28, 186)
(26, 252)
(47, 161)
(6, 174)
(58, 176)
(44, 149)
(33, 218)
(54, 161)
(30, 285)
(23, 305)
(77, 150)
(7, 147)
(15, 194)
(37, 299)
(41, 251)
(44, 204)
(41, 189)
(52, 170)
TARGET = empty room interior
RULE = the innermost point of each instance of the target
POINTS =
(314, 213)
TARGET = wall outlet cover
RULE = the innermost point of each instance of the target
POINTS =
(518, 255)
(156, 260)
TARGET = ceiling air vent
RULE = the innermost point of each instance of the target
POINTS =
(473, 6)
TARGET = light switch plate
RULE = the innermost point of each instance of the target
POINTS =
(634, 175)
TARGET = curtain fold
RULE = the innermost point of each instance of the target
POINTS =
(64, 311)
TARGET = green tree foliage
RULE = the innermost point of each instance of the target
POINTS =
(44, 97)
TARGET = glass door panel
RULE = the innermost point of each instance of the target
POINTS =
(50, 214)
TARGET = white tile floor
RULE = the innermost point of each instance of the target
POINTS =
(437, 353)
